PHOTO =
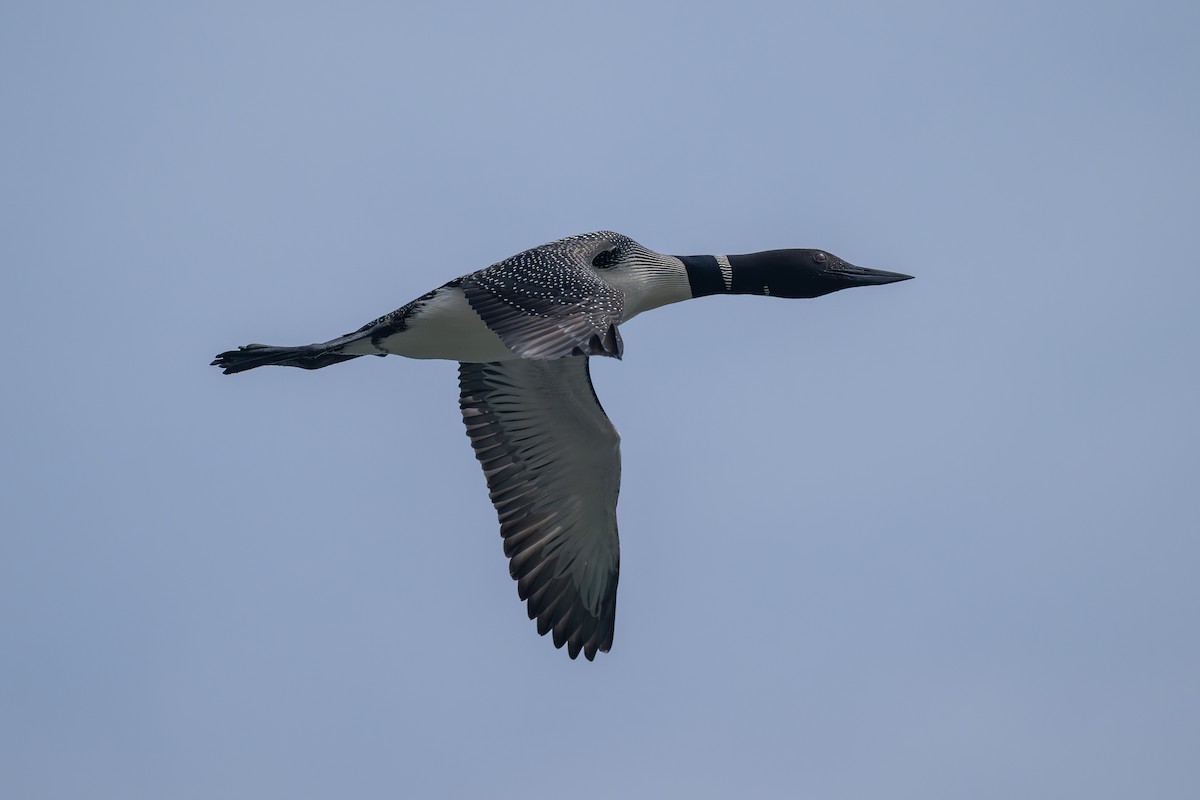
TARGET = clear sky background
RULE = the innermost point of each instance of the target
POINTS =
(930, 540)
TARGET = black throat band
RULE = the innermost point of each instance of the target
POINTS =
(704, 275)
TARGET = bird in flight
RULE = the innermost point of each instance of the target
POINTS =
(523, 331)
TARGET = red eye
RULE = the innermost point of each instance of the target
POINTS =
(819, 257)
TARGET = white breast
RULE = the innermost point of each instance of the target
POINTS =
(650, 283)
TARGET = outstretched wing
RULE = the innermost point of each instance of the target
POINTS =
(548, 302)
(553, 465)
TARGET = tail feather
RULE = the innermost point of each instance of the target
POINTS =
(250, 356)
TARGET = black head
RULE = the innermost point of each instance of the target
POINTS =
(801, 273)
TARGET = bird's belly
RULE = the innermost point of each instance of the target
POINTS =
(446, 327)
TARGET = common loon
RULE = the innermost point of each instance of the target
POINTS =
(523, 330)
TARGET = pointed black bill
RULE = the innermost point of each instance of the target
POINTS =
(863, 276)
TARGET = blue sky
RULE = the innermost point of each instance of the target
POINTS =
(936, 539)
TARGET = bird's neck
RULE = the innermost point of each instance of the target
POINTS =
(708, 274)
(750, 273)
